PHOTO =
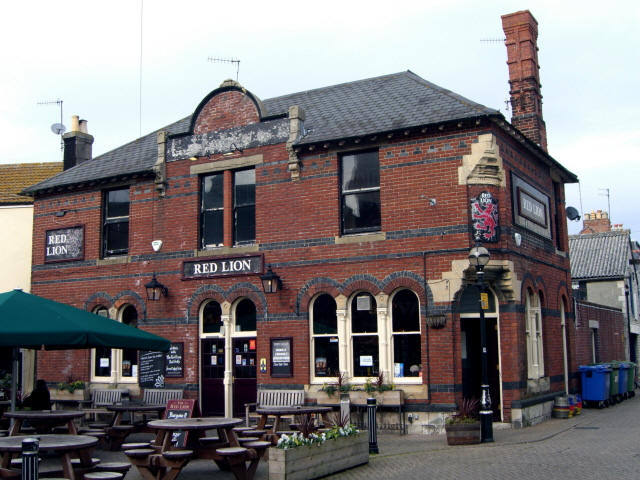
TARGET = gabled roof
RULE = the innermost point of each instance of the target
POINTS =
(388, 103)
(16, 177)
(599, 255)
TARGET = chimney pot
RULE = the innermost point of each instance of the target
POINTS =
(75, 123)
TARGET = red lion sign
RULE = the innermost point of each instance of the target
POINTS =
(484, 218)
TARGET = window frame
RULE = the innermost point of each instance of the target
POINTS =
(393, 334)
(114, 220)
(358, 192)
(203, 210)
(235, 207)
(313, 336)
(534, 335)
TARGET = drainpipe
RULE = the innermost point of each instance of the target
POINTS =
(564, 351)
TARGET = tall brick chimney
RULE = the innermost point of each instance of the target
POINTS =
(596, 222)
(521, 36)
(77, 143)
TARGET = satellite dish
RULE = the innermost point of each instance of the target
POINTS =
(572, 214)
(58, 128)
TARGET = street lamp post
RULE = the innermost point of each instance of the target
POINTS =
(478, 258)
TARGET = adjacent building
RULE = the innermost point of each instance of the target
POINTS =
(321, 235)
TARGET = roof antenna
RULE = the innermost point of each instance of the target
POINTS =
(227, 60)
(606, 194)
(57, 128)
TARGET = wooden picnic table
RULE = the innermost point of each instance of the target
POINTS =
(278, 412)
(66, 446)
(44, 420)
(167, 460)
(118, 430)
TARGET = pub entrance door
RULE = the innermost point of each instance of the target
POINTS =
(228, 359)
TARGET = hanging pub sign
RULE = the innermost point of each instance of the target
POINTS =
(530, 207)
(484, 218)
(64, 244)
(216, 267)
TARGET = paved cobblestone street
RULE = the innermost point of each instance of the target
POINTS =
(598, 444)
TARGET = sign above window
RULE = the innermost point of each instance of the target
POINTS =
(216, 267)
(64, 244)
(530, 207)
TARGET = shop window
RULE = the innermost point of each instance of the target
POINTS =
(405, 311)
(535, 355)
(115, 365)
(324, 347)
(212, 212)
(115, 228)
(364, 336)
(211, 318)
(360, 192)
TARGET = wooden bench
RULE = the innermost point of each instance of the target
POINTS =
(160, 396)
(100, 398)
(274, 398)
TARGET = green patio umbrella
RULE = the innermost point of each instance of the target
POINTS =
(30, 321)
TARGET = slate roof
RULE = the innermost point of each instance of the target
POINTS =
(15, 177)
(599, 255)
(381, 104)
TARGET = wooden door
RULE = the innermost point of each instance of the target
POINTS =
(244, 374)
(212, 376)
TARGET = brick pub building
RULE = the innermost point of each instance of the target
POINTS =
(364, 199)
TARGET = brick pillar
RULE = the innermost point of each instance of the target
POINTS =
(521, 33)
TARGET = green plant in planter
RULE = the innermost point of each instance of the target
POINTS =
(467, 413)
(343, 385)
(329, 388)
(70, 385)
(368, 386)
(381, 385)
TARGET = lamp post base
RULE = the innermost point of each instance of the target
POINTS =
(486, 426)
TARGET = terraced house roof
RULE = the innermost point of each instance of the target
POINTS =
(16, 177)
(599, 255)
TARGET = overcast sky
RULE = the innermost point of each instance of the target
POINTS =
(98, 56)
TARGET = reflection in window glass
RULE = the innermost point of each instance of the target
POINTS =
(325, 341)
(360, 192)
(244, 204)
(211, 318)
(245, 316)
(212, 210)
(102, 355)
(115, 228)
(129, 366)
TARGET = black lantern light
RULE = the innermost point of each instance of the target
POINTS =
(270, 281)
(155, 289)
(478, 258)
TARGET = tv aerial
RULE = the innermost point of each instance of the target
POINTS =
(57, 128)
(233, 61)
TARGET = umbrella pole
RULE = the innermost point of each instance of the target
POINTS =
(14, 380)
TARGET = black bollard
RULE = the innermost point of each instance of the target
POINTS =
(30, 448)
(373, 427)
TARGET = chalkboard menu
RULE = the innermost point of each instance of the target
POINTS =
(180, 408)
(151, 370)
(281, 365)
(174, 361)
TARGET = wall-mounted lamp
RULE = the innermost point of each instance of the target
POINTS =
(155, 289)
(270, 281)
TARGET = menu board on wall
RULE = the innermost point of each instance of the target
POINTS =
(174, 361)
(281, 364)
(151, 370)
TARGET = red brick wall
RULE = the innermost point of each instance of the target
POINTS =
(421, 239)
(611, 326)
(230, 108)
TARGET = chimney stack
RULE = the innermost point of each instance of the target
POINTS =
(77, 143)
(521, 37)
(596, 222)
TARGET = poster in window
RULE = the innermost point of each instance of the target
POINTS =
(321, 365)
(366, 360)
(281, 365)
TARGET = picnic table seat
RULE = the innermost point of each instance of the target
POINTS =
(103, 397)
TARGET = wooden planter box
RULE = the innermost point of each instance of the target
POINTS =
(319, 460)
(81, 394)
(463, 433)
